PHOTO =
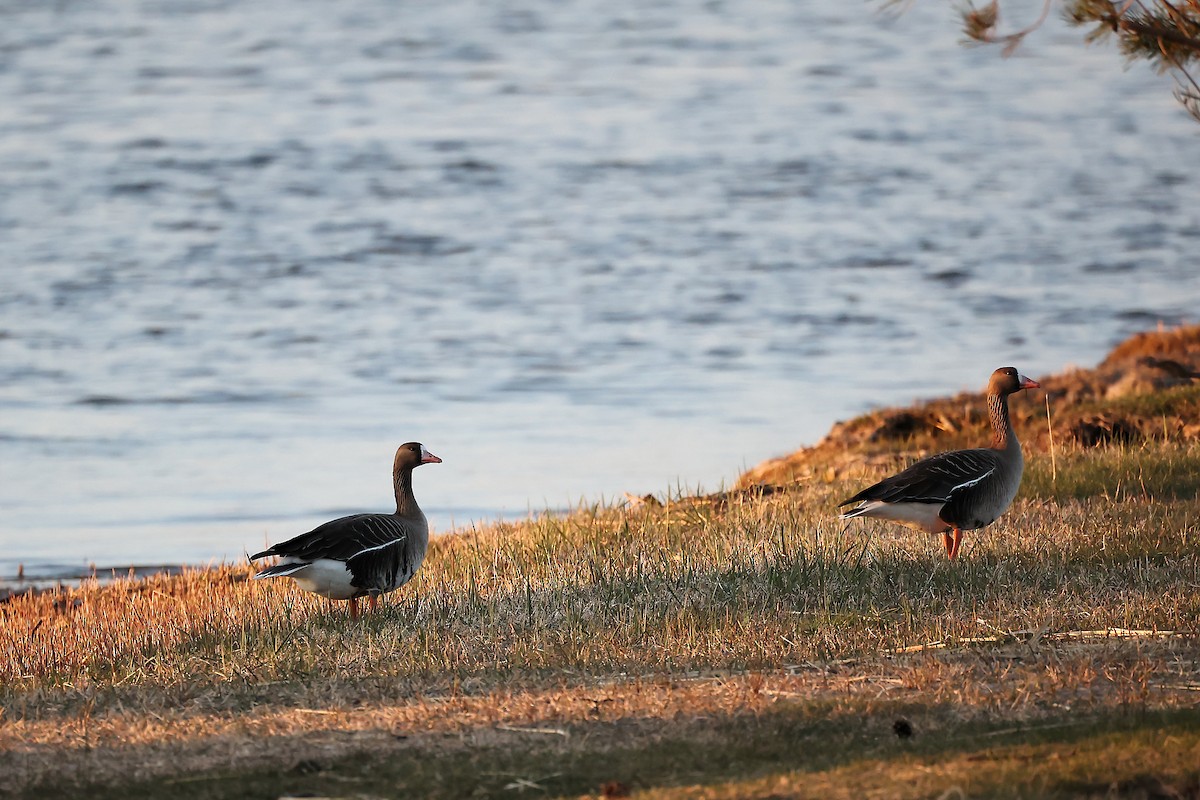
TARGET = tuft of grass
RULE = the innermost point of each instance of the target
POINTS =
(1149, 471)
(1177, 402)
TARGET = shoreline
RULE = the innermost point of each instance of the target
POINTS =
(1083, 415)
(22, 586)
(1139, 392)
(1086, 412)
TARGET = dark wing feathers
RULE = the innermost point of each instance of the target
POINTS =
(934, 479)
(379, 569)
(342, 539)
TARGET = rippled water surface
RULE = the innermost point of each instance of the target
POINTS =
(576, 248)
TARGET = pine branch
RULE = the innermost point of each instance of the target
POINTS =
(1166, 33)
(1171, 36)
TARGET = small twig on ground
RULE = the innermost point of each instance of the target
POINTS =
(1024, 728)
(548, 731)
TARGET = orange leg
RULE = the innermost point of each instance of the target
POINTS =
(949, 541)
(353, 608)
(953, 551)
(373, 601)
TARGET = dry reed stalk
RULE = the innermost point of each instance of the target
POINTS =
(1053, 458)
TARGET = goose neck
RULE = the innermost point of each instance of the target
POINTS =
(406, 501)
(1003, 436)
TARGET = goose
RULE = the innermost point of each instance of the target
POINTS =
(362, 554)
(961, 490)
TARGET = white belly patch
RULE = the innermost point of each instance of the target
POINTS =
(327, 578)
(922, 516)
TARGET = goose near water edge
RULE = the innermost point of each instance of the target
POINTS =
(962, 490)
(362, 554)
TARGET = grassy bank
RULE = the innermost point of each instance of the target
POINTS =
(739, 584)
(731, 646)
(740, 645)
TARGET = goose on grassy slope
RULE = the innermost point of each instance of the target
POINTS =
(363, 554)
(962, 490)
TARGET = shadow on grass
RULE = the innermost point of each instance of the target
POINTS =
(796, 751)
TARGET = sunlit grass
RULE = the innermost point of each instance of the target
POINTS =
(1165, 405)
(1146, 471)
(688, 586)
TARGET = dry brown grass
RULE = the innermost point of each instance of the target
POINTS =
(684, 587)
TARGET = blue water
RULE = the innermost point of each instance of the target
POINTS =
(576, 248)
